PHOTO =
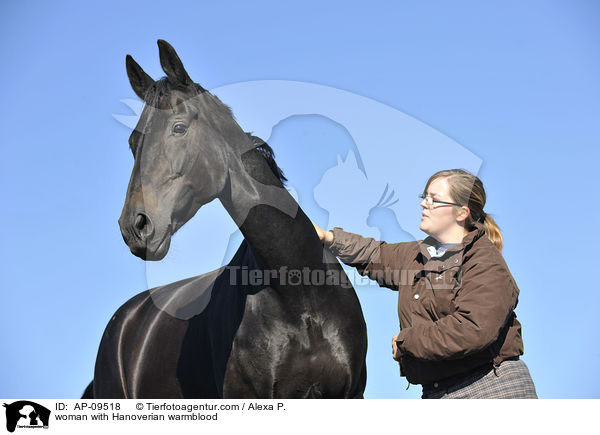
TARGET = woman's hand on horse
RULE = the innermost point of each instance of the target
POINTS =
(324, 235)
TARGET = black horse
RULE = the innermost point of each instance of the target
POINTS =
(284, 332)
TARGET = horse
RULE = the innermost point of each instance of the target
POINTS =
(220, 334)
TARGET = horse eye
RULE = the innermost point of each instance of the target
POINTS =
(179, 129)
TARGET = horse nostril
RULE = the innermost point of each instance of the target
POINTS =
(140, 221)
(142, 225)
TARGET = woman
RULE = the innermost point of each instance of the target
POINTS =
(459, 337)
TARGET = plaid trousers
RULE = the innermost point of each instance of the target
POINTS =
(510, 380)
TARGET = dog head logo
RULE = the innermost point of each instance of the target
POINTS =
(26, 414)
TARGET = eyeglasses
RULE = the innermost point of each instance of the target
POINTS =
(429, 201)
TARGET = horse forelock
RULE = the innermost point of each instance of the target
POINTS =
(160, 95)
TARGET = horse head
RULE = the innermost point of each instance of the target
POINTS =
(184, 143)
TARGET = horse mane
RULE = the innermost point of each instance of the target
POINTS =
(265, 150)
(155, 97)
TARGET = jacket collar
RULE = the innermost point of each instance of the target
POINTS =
(467, 240)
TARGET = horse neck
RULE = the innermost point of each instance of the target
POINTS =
(277, 230)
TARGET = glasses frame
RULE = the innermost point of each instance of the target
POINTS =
(424, 197)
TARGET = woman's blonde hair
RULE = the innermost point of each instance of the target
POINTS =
(467, 189)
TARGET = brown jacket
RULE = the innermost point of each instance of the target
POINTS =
(456, 311)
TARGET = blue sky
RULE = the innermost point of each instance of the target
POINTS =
(514, 86)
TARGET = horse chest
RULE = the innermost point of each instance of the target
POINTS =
(273, 356)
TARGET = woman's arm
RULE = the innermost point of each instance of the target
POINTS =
(378, 260)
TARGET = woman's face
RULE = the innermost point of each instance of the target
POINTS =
(440, 218)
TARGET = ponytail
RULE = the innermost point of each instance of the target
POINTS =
(492, 231)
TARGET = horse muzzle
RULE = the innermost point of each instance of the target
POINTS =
(140, 234)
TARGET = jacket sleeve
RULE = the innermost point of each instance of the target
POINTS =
(483, 306)
(378, 260)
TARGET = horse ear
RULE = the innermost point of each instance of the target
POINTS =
(171, 64)
(139, 80)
